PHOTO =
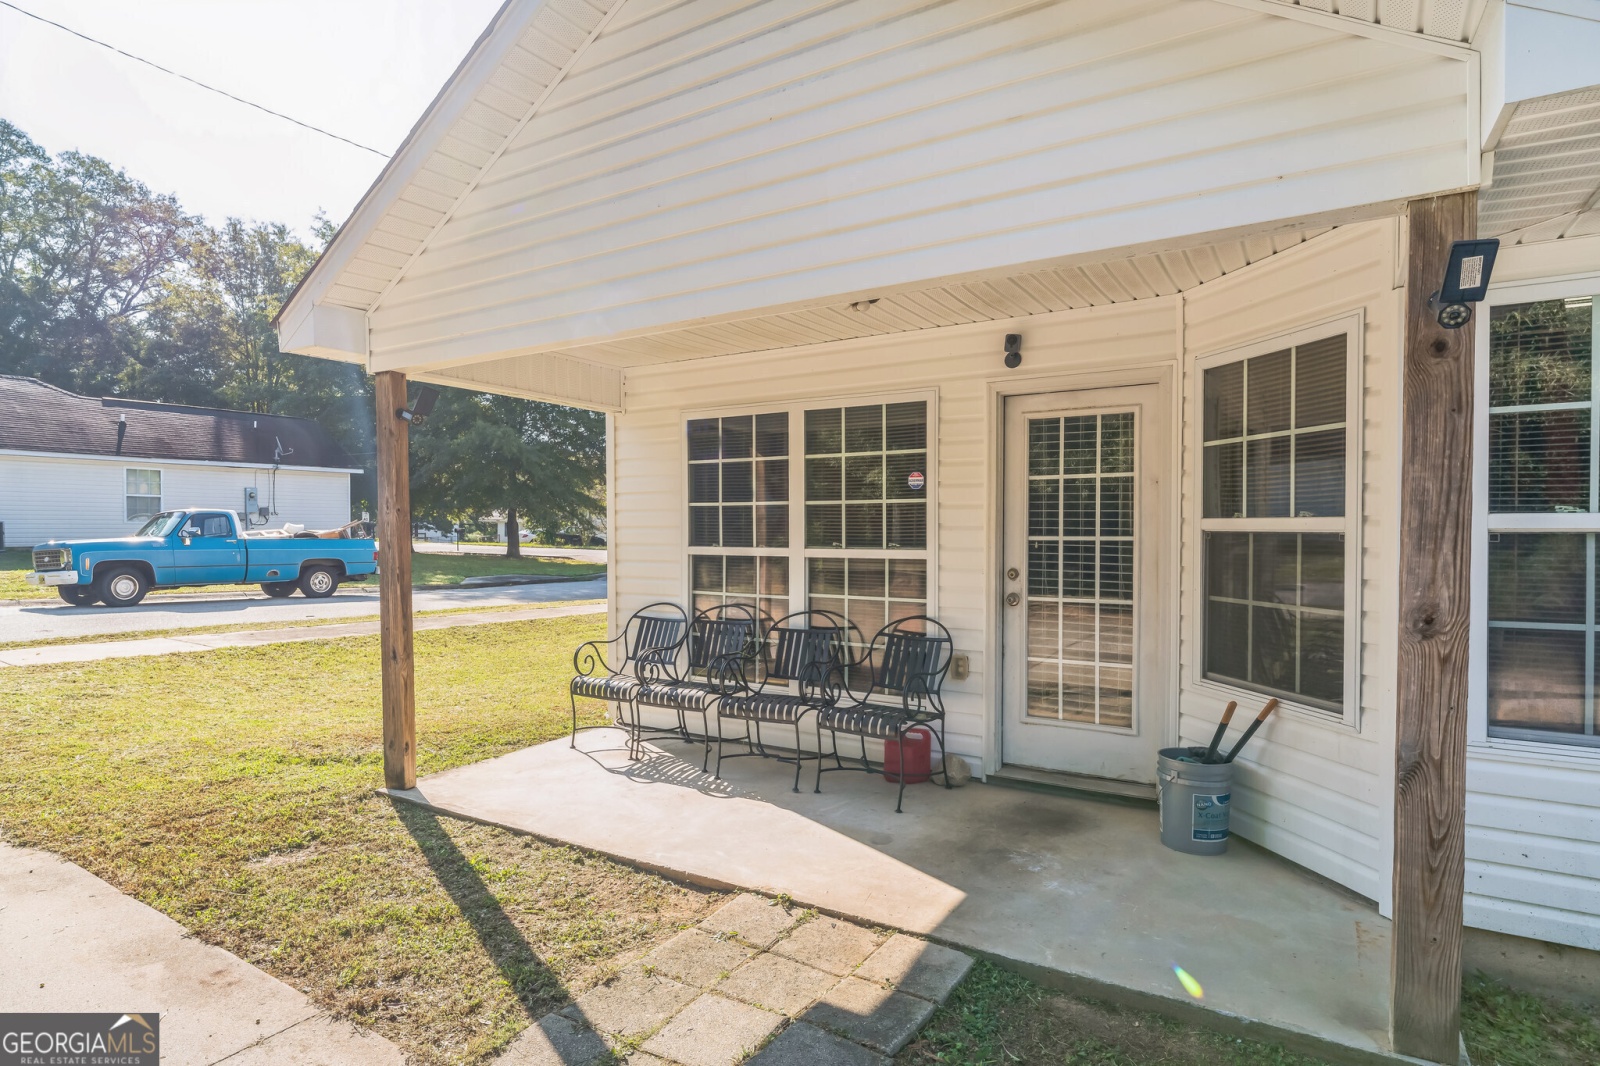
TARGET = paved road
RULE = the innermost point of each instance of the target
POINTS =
(55, 619)
(529, 551)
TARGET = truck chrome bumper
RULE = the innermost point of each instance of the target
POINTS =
(49, 578)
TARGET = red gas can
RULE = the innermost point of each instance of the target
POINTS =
(915, 753)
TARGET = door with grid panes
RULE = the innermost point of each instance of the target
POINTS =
(1086, 649)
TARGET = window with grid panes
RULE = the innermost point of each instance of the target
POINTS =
(1275, 444)
(739, 481)
(1542, 672)
(866, 512)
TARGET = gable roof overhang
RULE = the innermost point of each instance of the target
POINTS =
(436, 275)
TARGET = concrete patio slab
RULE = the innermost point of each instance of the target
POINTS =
(556, 1041)
(73, 943)
(1077, 892)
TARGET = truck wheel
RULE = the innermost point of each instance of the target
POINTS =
(318, 583)
(77, 595)
(278, 590)
(122, 586)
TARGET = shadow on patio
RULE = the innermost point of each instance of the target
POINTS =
(1080, 893)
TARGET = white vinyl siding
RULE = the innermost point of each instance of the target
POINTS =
(700, 161)
(42, 498)
(1533, 808)
(1315, 790)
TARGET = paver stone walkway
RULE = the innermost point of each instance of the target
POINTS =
(756, 982)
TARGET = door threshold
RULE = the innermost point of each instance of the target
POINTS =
(1061, 779)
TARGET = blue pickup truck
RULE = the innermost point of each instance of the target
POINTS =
(199, 547)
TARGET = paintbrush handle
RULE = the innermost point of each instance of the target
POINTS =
(1222, 727)
(1266, 712)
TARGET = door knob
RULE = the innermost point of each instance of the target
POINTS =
(1013, 598)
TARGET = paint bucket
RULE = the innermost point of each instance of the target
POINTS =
(1195, 797)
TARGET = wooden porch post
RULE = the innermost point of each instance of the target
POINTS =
(394, 583)
(1431, 688)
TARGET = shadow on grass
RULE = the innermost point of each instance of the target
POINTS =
(537, 988)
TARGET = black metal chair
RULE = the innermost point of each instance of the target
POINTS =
(722, 651)
(903, 671)
(798, 652)
(650, 646)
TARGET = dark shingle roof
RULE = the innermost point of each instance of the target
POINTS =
(37, 417)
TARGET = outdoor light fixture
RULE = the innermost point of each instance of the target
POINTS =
(1466, 281)
(1013, 350)
(421, 407)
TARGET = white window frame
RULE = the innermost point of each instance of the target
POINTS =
(126, 495)
(1353, 326)
(797, 552)
(1478, 739)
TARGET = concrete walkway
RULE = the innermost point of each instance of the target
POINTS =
(73, 943)
(797, 988)
(56, 654)
(1079, 893)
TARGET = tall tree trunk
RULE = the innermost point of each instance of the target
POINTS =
(513, 535)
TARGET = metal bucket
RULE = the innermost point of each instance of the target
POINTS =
(1195, 798)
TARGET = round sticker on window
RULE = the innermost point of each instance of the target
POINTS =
(916, 480)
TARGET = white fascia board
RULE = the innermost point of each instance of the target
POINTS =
(327, 331)
(146, 460)
(1533, 49)
(486, 54)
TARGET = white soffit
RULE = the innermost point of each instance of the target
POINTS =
(1447, 20)
(1546, 177)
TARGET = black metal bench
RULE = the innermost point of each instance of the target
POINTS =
(722, 651)
(650, 645)
(900, 675)
(798, 652)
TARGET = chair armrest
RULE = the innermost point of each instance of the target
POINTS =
(657, 664)
(728, 674)
(591, 656)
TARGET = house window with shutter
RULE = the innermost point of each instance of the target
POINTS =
(142, 496)
(1275, 503)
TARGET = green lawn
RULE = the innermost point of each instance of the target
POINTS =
(428, 569)
(246, 811)
(996, 1018)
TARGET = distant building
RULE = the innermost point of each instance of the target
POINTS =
(82, 466)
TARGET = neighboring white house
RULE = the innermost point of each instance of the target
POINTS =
(81, 466)
(782, 243)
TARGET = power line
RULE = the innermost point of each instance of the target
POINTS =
(193, 81)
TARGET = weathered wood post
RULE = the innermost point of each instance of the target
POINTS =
(1431, 688)
(394, 583)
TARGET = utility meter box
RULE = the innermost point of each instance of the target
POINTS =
(252, 505)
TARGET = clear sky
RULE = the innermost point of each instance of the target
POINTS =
(364, 69)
